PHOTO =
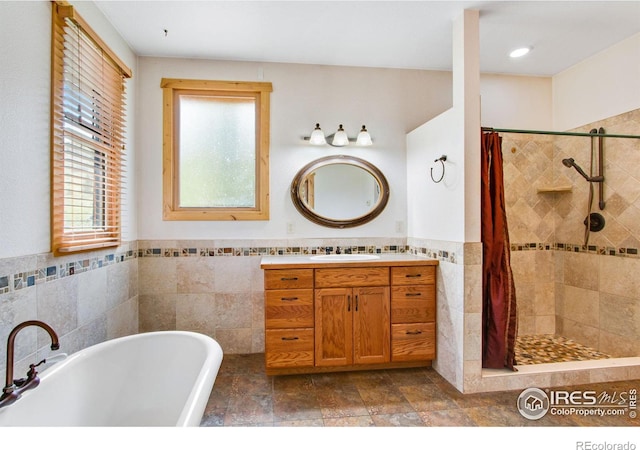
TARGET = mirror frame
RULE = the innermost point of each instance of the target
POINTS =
(302, 207)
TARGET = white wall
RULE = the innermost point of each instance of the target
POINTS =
(605, 85)
(389, 102)
(466, 94)
(450, 210)
(25, 30)
(518, 102)
(506, 102)
(436, 209)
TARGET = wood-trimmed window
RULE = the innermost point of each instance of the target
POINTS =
(215, 150)
(87, 136)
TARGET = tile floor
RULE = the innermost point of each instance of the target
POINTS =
(244, 396)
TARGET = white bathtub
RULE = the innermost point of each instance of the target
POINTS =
(150, 379)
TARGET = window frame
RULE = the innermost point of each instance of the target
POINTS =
(172, 88)
(105, 138)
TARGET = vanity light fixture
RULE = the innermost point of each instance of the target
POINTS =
(339, 138)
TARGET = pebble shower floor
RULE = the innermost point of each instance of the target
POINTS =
(548, 348)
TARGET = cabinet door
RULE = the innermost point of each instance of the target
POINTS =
(371, 325)
(333, 327)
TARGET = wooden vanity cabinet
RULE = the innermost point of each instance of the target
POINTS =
(321, 317)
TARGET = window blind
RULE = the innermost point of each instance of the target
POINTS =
(88, 122)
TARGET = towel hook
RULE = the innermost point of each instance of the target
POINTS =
(442, 159)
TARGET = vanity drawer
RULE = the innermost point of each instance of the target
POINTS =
(288, 278)
(413, 275)
(413, 342)
(413, 304)
(356, 277)
(289, 348)
(289, 308)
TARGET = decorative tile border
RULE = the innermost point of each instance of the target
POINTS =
(577, 248)
(440, 255)
(266, 251)
(4, 284)
(21, 280)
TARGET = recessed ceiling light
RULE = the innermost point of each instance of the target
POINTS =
(517, 53)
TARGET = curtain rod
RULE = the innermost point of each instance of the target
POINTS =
(561, 133)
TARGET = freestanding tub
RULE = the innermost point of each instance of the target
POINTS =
(150, 379)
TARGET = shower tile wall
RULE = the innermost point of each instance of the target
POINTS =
(528, 164)
(590, 294)
(621, 189)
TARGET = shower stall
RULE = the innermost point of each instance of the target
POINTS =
(577, 283)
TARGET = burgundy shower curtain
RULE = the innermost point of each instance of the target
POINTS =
(499, 319)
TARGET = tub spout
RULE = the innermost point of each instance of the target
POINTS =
(13, 389)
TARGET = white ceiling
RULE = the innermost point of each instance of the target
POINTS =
(395, 34)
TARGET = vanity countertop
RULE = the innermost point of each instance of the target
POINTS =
(344, 260)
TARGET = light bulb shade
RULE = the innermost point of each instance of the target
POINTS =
(364, 138)
(340, 139)
(317, 136)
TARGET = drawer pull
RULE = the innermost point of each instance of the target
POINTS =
(289, 299)
(413, 275)
(288, 278)
(295, 338)
(348, 303)
(414, 332)
(356, 303)
(413, 294)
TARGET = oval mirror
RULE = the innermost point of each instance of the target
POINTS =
(340, 191)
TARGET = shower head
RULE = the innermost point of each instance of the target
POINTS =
(570, 162)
